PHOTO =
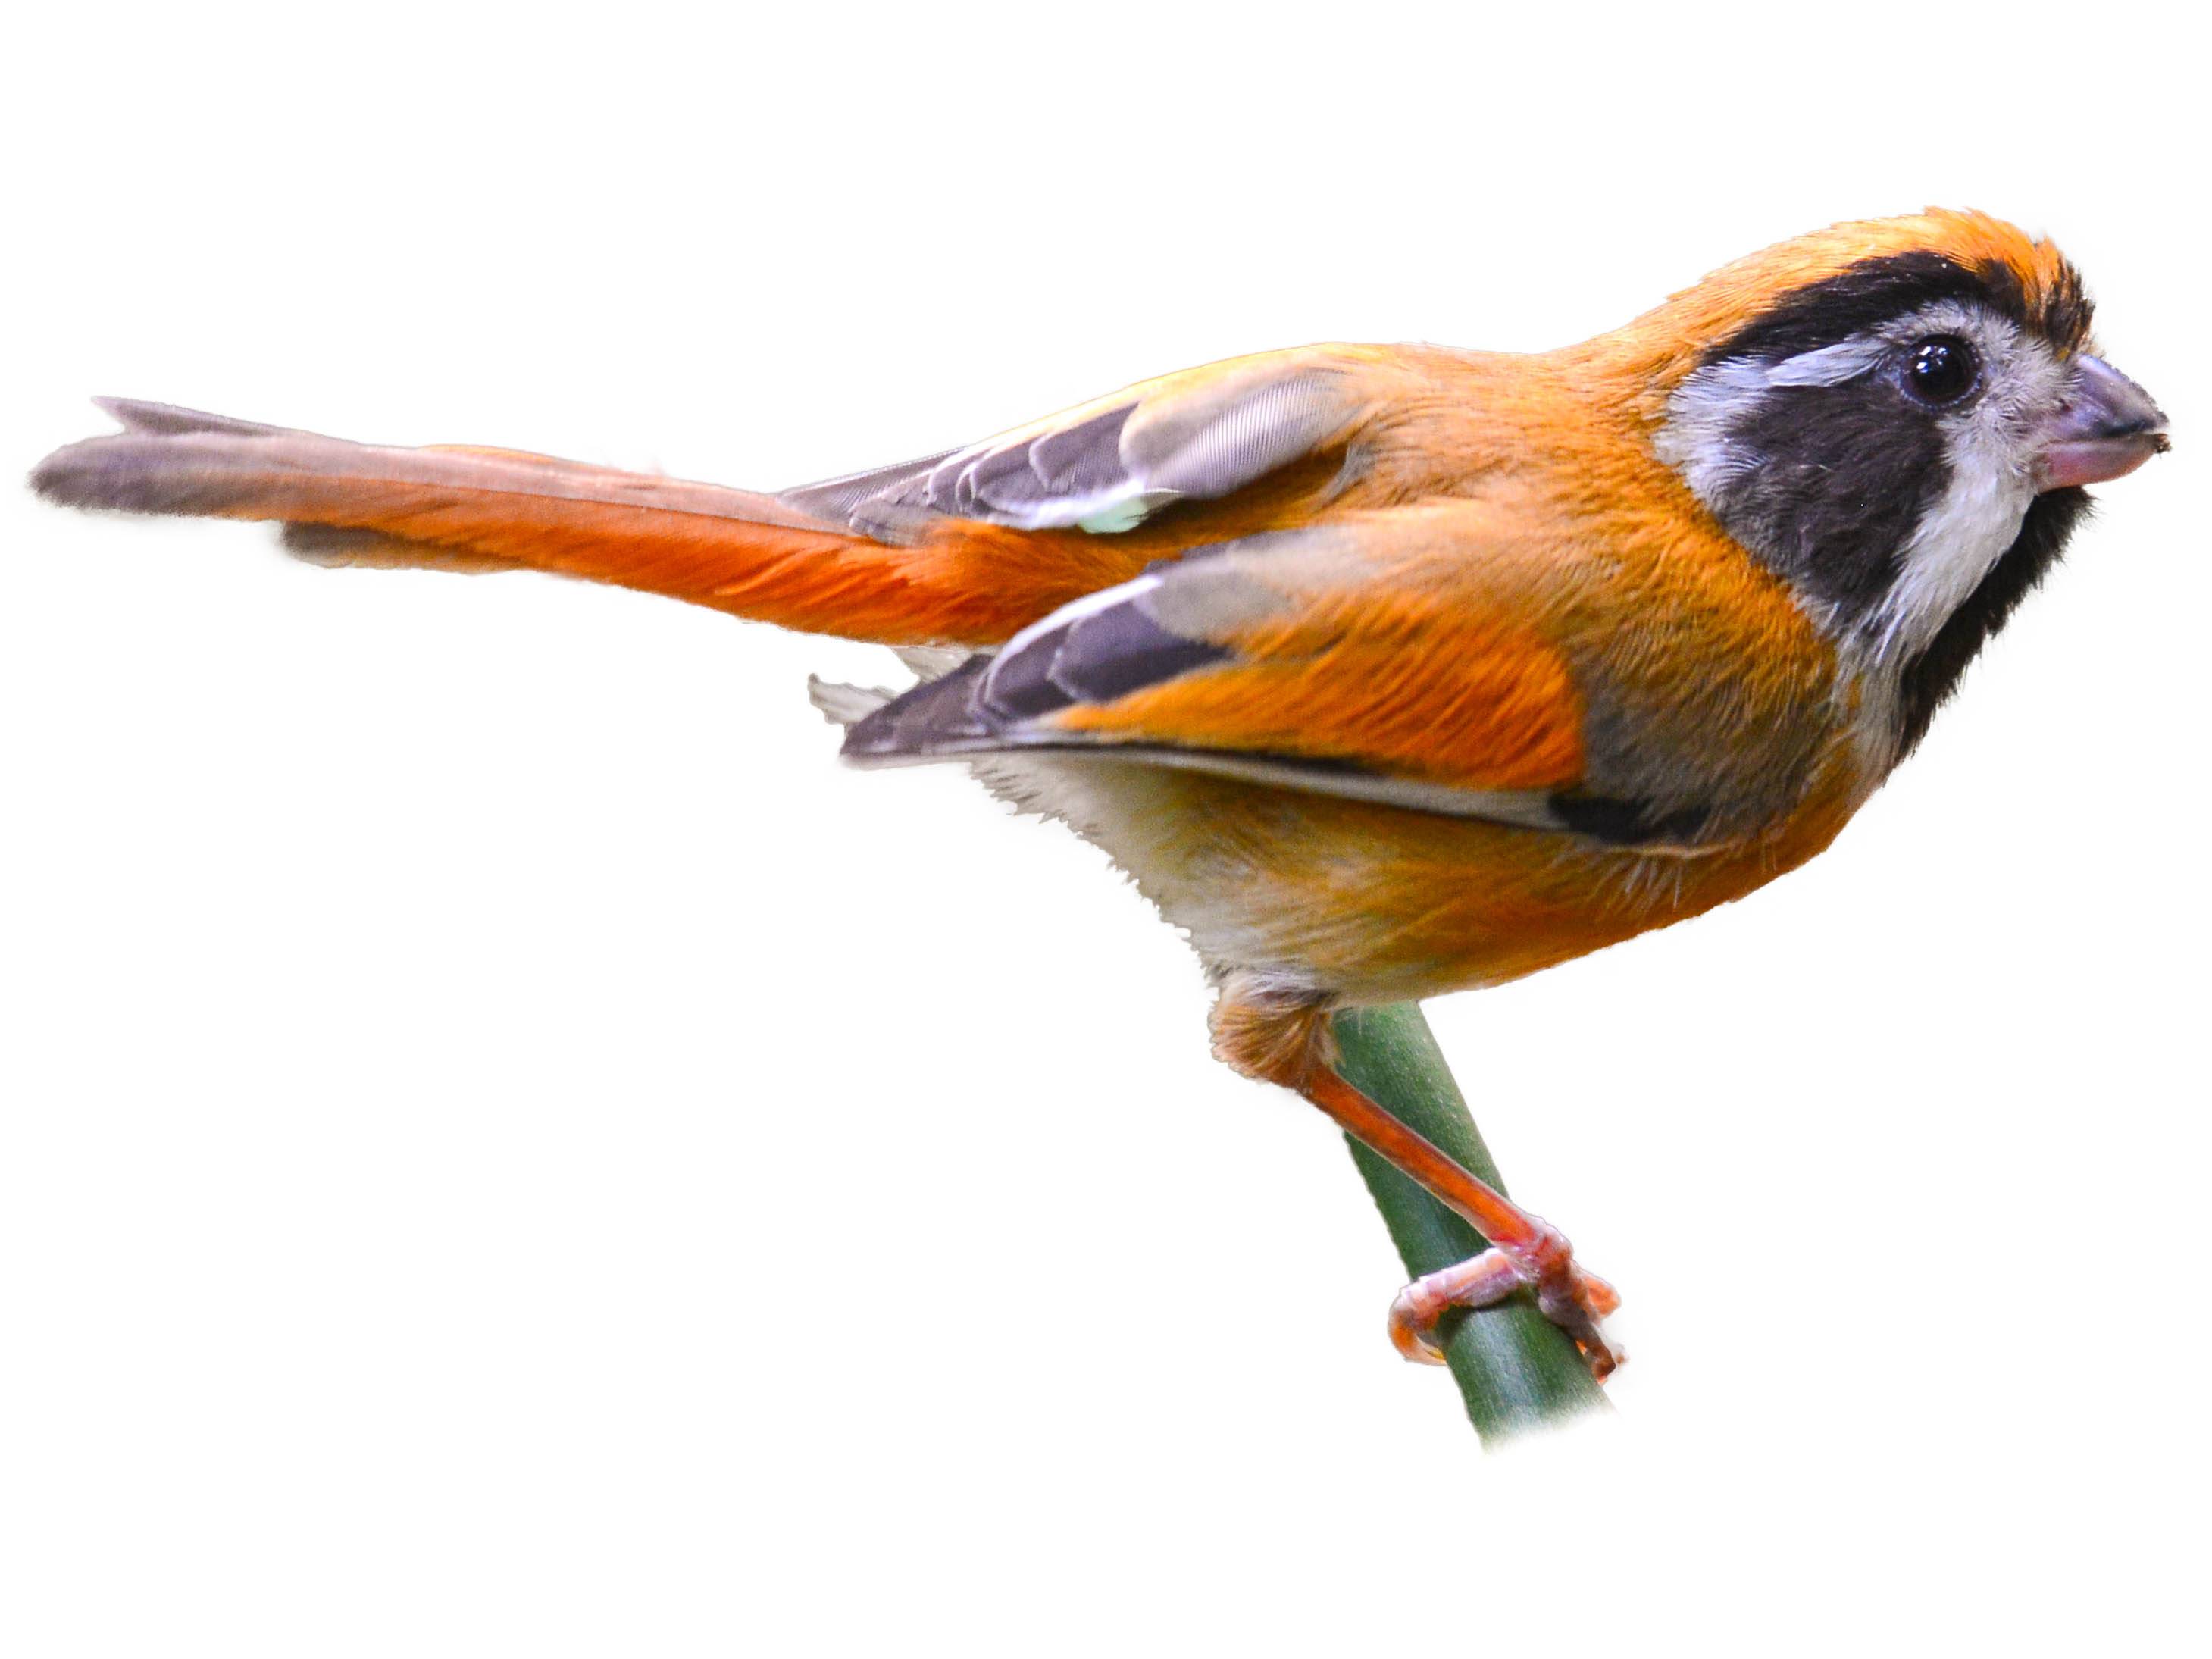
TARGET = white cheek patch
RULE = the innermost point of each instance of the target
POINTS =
(1963, 535)
(1989, 446)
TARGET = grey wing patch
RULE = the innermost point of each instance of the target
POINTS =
(1095, 650)
(1106, 466)
(864, 501)
(1095, 656)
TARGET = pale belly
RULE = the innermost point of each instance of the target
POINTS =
(1361, 904)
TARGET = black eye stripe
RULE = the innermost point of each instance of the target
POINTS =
(1881, 291)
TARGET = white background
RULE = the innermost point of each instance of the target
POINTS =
(508, 1149)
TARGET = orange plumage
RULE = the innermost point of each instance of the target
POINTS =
(1384, 671)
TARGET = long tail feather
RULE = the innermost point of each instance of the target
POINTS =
(731, 549)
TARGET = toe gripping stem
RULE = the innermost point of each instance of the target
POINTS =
(1525, 1250)
(1576, 1301)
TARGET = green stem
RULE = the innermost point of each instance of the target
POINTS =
(1516, 1371)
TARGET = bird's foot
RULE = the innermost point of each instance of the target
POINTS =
(1577, 1302)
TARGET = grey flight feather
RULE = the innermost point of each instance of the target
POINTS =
(1107, 465)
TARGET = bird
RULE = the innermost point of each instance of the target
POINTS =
(1384, 671)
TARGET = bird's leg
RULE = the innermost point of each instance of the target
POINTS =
(1286, 1041)
(1524, 1250)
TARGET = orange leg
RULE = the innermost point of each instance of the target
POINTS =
(1524, 1250)
(1283, 1038)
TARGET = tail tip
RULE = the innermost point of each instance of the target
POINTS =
(82, 474)
(65, 479)
(150, 466)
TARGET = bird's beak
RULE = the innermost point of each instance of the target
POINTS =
(2108, 427)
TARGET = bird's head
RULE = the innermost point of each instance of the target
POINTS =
(1896, 417)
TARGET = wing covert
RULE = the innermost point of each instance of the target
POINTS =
(1107, 465)
(1288, 659)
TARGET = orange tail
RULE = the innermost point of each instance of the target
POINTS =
(750, 555)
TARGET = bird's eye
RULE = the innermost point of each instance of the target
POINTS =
(1940, 370)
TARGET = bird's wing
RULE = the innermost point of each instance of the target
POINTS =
(1107, 465)
(1350, 659)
